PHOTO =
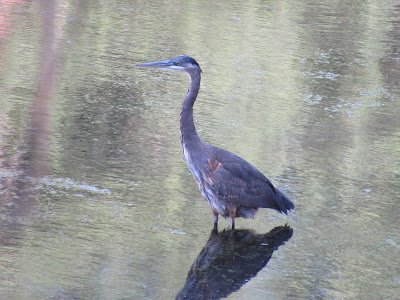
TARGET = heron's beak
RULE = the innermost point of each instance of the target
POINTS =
(157, 64)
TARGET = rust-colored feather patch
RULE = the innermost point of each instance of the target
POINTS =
(214, 165)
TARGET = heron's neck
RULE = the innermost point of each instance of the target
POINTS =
(188, 130)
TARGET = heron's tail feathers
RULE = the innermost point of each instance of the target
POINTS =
(283, 203)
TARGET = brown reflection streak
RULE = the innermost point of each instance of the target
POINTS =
(21, 203)
(38, 160)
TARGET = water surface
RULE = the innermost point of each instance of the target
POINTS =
(96, 201)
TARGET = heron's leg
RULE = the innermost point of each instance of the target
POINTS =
(232, 213)
(215, 219)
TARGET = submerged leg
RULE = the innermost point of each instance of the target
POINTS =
(232, 213)
(215, 219)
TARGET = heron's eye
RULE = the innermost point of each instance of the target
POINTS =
(178, 63)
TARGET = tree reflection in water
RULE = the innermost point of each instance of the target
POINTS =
(229, 259)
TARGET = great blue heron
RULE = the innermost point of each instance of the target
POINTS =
(232, 186)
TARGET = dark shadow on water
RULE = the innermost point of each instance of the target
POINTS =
(229, 259)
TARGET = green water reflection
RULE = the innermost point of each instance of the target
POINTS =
(96, 201)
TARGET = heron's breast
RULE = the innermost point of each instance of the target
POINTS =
(191, 163)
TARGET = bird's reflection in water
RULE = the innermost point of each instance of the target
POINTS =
(229, 259)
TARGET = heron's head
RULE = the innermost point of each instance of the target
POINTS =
(180, 63)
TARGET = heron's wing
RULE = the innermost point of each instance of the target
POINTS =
(238, 182)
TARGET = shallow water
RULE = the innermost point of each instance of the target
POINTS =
(96, 201)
